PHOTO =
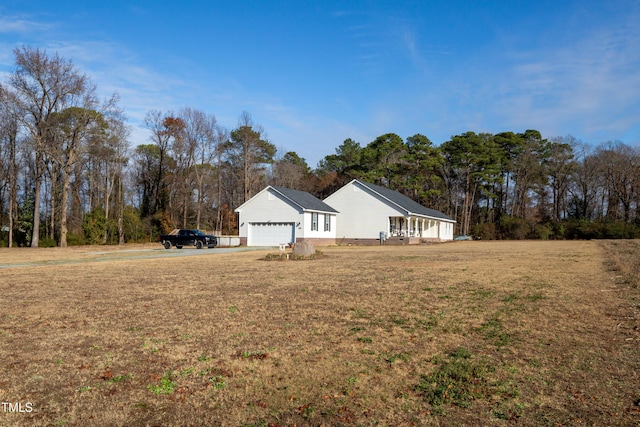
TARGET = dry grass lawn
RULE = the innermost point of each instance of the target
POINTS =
(467, 333)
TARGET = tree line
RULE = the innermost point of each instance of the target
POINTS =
(68, 174)
(507, 185)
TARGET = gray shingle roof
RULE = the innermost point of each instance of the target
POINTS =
(403, 201)
(305, 200)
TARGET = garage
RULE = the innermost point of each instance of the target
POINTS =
(270, 233)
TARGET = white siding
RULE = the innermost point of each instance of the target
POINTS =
(320, 233)
(446, 231)
(267, 206)
(363, 215)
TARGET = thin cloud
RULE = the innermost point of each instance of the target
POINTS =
(589, 83)
(21, 26)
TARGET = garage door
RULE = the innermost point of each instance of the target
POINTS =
(270, 233)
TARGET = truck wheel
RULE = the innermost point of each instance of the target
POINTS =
(167, 244)
(199, 244)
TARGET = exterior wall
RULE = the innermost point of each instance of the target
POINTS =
(267, 206)
(437, 230)
(446, 230)
(431, 229)
(363, 215)
(307, 233)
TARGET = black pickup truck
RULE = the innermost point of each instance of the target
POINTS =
(180, 238)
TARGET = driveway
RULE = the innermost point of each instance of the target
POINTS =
(75, 255)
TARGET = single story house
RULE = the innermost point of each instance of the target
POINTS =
(278, 215)
(368, 211)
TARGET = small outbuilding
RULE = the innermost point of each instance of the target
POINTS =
(369, 212)
(278, 215)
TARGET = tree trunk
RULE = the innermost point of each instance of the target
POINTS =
(35, 236)
(63, 208)
(120, 208)
(13, 198)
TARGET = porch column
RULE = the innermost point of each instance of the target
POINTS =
(408, 233)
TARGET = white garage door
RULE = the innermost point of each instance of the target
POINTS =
(270, 233)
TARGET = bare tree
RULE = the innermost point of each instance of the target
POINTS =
(560, 167)
(8, 163)
(108, 154)
(221, 138)
(70, 131)
(619, 164)
(182, 152)
(200, 134)
(586, 184)
(158, 197)
(42, 85)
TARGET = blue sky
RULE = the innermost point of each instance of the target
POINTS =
(314, 73)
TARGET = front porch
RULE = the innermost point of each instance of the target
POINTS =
(413, 227)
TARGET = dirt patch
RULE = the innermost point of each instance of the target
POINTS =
(364, 336)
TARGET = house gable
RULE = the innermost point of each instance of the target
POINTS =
(363, 213)
(269, 201)
(277, 208)
(367, 210)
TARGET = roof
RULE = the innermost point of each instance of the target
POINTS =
(404, 202)
(306, 201)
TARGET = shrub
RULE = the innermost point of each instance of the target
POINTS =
(46, 242)
(587, 230)
(542, 232)
(94, 225)
(484, 231)
(513, 227)
(75, 239)
(134, 230)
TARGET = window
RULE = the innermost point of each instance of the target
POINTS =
(327, 222)
(314, 221)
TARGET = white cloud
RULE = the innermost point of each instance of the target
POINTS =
(21, 26)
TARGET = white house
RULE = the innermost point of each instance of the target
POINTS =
(367, 210)
(279, 215)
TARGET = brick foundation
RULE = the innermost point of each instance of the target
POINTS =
(318, 241)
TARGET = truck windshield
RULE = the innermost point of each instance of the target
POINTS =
(199, 233)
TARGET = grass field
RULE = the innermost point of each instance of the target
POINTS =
(465, 333)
